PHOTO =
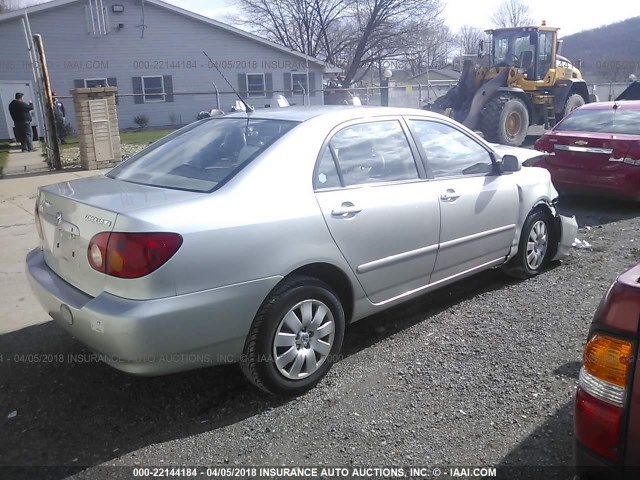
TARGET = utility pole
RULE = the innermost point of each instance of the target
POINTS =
(48, 102)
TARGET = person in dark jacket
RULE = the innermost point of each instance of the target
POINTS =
(59, 114)
(21, 114)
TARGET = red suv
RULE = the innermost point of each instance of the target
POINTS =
(607, 404)
(595, 149)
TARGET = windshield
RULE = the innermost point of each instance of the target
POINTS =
(513, 48)
(202, 155)
(602, 121)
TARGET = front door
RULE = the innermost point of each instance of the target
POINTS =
(383, 216)
(479, 209)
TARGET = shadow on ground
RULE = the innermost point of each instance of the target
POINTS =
(552, 441)
(75, 414)
(594, 211)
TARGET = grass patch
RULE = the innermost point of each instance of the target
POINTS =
(130, 137)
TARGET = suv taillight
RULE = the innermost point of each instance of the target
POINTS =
(601, 396)
(131, 255)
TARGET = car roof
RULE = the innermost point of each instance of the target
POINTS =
(337, 112)
(622, 104)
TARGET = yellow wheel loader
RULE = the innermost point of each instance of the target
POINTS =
(525, 83)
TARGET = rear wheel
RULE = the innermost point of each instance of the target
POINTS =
(536, 246)
(505, 120)
(574, 101)
(295, 337)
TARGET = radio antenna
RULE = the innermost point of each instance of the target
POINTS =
(246, 105)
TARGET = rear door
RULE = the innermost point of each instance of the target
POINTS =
(479, 209)
(383, 215)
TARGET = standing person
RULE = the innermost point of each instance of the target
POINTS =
(21, 114)
(59, 114)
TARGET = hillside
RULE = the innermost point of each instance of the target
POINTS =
(609, 53)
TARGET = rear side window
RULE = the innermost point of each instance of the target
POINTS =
(202, 155)
(602, 121)
(372, 153)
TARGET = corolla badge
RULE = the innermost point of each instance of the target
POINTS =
(582, 143)
(99, 221)
(58, 218)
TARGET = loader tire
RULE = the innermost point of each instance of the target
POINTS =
(505, 120)
(574, 101)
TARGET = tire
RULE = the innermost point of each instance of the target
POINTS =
(574, 101)
(525, 264)
(505, 120)
(291, 317)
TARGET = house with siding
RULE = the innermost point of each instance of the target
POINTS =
(152, 52)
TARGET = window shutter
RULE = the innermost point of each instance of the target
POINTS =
(312, 84)
(242, 84)
(78, 83)
(287, 85)
(168, 88)
(268, 84)
(112, 82)
(137, 89)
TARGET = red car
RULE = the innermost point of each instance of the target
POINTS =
(595, 149)
(607, 404)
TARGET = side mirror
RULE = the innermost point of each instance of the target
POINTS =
(480, 48)
(509, 163)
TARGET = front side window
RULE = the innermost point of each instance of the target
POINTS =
(372, 153)
(255, 85)
(299, 83)
(450, 152)
(202, 155)
(153, 89)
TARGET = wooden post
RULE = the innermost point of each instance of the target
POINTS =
(48, 102)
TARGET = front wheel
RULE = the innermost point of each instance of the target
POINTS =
(536, 246)
(295, 337)
(505, 119)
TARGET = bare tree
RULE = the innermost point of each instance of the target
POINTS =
(512, 13)
(468, 39)
(307, 26)
(431, 48)
(9, 5)
(352, 34)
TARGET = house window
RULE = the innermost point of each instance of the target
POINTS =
(153, 89)
(299, 83)
(255, 85)
(95, 82)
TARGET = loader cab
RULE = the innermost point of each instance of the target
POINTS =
(531, 50)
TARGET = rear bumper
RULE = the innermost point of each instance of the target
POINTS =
(621, 182)
(152, 337)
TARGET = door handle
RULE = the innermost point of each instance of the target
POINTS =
(346, 209)
(450, 195)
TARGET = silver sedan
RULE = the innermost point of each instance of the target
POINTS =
(255, 238)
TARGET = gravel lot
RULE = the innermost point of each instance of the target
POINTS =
(481, 373)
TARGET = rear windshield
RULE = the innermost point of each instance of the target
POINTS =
(602, 121)
(202, 155)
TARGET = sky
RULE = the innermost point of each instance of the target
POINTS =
(570, 16)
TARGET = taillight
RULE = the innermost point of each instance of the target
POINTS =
(539, 144)
(131, 255)
(604, 379)
(36, 215)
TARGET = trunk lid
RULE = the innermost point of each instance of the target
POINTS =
(589, 151)
(71, 213)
